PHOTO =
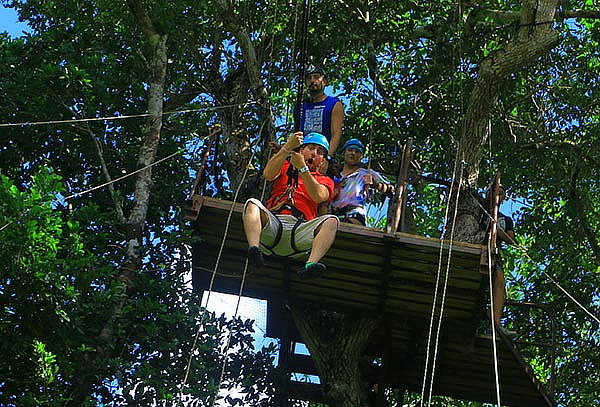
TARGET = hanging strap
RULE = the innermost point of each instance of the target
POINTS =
(293, 172)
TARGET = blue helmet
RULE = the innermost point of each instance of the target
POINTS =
(318, 139)
(355, 144)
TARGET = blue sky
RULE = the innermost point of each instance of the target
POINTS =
(9, 22)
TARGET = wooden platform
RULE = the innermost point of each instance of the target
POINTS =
(392, 276)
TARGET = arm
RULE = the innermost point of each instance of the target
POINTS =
(273, 167)
(379, 183)
(507, 237)
(337, 120)
(317, 192)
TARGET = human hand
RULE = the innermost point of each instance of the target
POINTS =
(297, 160)
(368, 180)
(323, 167)
(390, 190)
(294, 141)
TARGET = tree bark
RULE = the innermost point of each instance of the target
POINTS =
(336, 343)
(147, 155)
(252, 65)
(136, 220)
(535, 38)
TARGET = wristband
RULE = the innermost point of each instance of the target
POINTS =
(303, 169)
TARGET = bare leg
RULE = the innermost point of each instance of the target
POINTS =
(254, 220)
(498, 295)
(355, 221)
(324, 237)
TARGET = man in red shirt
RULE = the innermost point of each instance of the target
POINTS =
(288, 225)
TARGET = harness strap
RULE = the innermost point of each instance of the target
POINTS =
(299, 219)
(284, 206)
(277, 238)
(292, 174)
(293, 237)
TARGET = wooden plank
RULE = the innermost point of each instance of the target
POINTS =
(224, 207)
(396, 285)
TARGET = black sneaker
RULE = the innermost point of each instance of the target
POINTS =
(311, 270)
(255, 258)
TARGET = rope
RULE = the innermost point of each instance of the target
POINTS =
(237, 307)
(439, 270)
(288, 104)
(437, 281)
(293, 172)
(228, 222)
(94, 119)
(303, 48)
(7, 225)
(87, 191)
(369, 148)
(445, 288)
(494, 345)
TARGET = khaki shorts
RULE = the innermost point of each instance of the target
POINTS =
(285, 235)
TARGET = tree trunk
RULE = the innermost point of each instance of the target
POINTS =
(336, 343)
(157, 66)
(237, 145)
(536, 37)
(137, 218)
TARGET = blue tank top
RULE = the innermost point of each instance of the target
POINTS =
(317, 116)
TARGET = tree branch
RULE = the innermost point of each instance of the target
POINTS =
(107, 177)
(581, 215)
(579, 14)
(580, 150)
(533, 41)
(252, 64)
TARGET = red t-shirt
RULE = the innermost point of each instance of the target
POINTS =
(303, 202)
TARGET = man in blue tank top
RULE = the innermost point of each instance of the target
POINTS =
(320, 113)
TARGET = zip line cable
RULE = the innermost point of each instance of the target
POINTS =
(122, 117)
(87, 191)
